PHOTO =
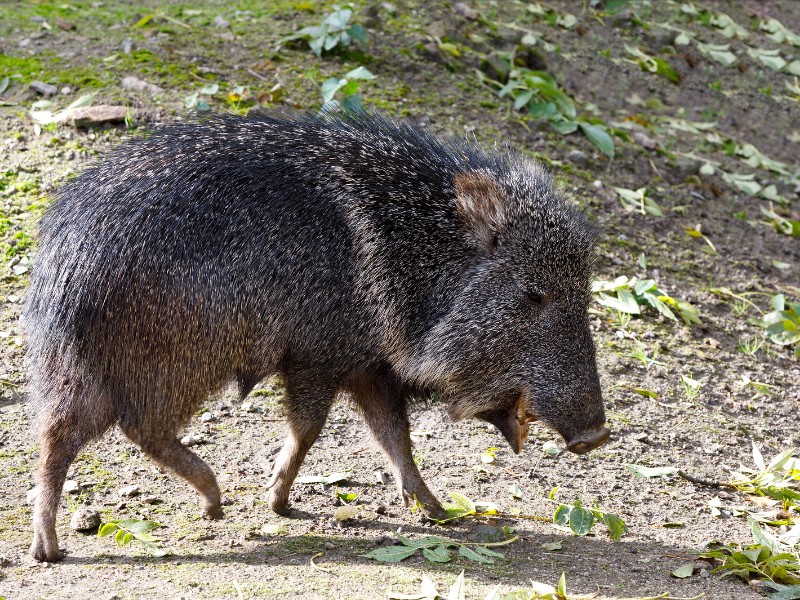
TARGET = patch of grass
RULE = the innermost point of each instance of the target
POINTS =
(27, 67)
(15, 523)
(89, 466)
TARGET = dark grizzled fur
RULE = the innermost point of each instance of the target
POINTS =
(346, 253)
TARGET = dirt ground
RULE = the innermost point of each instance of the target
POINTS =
(427, 57)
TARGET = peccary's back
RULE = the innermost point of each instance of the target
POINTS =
(211, 245)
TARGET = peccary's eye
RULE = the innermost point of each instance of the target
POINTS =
(534, 298)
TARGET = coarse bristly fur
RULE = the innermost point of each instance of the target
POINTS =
(345, 252)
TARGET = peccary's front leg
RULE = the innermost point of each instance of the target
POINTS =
(307, 407)
(384, 407)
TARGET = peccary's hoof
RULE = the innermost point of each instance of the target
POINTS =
(40, 552)
(213, 513)
(434, 513)
(277, 505)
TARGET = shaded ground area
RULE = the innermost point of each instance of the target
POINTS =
(692, 142)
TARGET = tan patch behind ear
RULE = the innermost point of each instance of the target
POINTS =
(514, 423)
(521, 423)
(482, 204)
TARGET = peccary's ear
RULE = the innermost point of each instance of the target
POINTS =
(482, 205)
(513, 423)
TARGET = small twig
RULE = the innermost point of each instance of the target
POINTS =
(238, 589)
(257, 75)
(172, 20)
(676, 425)
(317, 567)
(510, 540)
(511, 516)
(668, 596)
(8, 383)
(653, 166)
(707, 482)
(536, 466)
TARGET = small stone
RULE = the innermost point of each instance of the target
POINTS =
(138, 85)
(65, 25)
(465, 11)
(578, 158)
(382, 478)
(71, 486)
(93, 115)
(597, 184)
(642, 437)
(206, 417)
(623, 18)
(658, 39)
(149, 500)
(191, 439)
(381, 509)
(85, 519)
(30, 497)
(329, 546)
(686, 167)
(45, 89)
(644, 140)
(219, 21)
(704, 572)
(127, 45)
(495, 67)
(129, 491)
(370, 16)
(384, 541)
(66, 91)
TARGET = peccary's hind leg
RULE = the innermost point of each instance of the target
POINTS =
(384, 408)
(307, 407)
(166, 449)
(61, 437)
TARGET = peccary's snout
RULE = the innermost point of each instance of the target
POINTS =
(588, 440)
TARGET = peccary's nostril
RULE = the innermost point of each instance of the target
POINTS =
(589, 440)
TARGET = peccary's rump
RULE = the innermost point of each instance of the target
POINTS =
(347, 253)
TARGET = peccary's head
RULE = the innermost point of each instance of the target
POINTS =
(514, 344)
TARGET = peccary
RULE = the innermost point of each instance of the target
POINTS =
(347, 253)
